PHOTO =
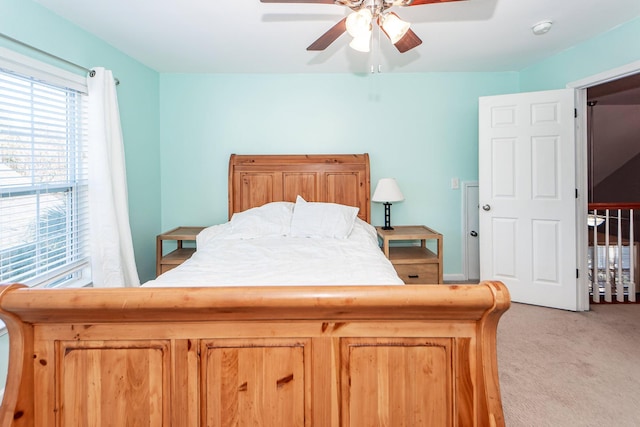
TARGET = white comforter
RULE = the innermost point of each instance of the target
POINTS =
(223, 259)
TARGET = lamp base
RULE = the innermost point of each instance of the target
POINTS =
(387, 216)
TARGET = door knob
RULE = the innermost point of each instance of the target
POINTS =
(474, 234)
(486, 207)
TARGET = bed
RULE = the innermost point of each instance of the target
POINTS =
(308, 354)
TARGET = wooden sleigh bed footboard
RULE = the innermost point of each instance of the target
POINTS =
(273, 356)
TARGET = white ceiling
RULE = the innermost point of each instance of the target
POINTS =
(246, 36)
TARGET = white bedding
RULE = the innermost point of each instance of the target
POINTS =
(227, 257)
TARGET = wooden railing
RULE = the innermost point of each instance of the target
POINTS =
(613, 251)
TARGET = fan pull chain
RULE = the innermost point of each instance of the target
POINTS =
(377, 54)
(373, 55)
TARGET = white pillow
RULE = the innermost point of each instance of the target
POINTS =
(271, 219)
(313, 219)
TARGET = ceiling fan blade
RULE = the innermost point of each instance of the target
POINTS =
(299, 1)
(330, 36)
(408, 42)
(419, 2)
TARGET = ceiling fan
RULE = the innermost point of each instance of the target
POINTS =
(359, 23)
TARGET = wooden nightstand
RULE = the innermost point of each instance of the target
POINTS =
(180, 254)
(415, 263)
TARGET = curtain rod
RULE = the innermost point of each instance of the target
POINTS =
(50, 55)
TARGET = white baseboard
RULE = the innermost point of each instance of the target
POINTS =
(458, 277)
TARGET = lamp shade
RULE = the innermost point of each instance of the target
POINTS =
(359, 27)
(361, 43)
(387, 190)
(394, 27)
(358, 23)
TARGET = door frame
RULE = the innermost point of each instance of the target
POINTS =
(465, 229)
(582, 169)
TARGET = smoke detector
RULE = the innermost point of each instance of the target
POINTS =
(541, 27)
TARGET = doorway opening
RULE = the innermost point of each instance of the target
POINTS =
(597, 86)
(613, 184)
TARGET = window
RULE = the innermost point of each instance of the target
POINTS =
(43, 181)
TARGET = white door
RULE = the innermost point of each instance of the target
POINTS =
(528, 196)
(472, 226)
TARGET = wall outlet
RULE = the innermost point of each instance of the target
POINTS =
(455, 183)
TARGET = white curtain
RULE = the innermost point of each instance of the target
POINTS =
(112, 259)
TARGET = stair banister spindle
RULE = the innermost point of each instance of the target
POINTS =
(633, 256)
(619, 279)
(608, 270)
(595, 285)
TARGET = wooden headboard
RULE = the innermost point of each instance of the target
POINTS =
(336, 178)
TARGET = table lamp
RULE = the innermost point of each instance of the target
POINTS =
(387, 191)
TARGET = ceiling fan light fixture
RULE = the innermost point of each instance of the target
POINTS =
(393, 26)
(359, 23)
(361, 43)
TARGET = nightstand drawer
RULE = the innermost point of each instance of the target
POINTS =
(418, 274)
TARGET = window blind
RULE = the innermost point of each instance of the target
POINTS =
(43, 182)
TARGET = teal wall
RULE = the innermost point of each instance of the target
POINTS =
(138, 98)
(419, 128)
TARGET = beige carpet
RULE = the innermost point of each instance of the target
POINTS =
(560, 368)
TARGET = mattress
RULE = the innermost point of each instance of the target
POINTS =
(234, 254)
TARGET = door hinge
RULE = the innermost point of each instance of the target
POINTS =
(577, 273)
(576, 193)
(575, 112)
